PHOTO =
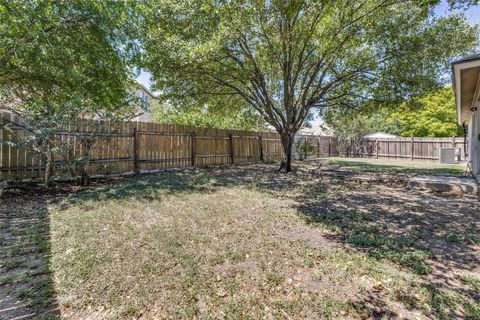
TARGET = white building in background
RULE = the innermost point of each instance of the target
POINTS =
(148, 103)
(379, 135)
(466, 84)
(317, 129)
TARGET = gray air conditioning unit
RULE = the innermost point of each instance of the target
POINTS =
(449, 155)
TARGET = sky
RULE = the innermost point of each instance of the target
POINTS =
(144, 78)
(472, 14)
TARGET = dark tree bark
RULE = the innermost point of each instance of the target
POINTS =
(48, 166)
(48, 159)
(287, 145)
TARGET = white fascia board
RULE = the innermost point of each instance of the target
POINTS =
(457, 82)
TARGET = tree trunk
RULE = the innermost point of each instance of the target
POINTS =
(88, 145)
(48, 163)
(287, 144)
(84, 176)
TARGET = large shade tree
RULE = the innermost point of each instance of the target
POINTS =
(62, 59)
(56, 48)
(432, 115)
(285, 58)
(223, 112)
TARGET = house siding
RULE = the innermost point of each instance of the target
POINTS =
(144, 114)
(474, 154)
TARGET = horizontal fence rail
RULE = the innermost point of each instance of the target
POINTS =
(322, 146)
(123, 147)
(412, 148)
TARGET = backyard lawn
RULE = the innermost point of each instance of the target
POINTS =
(243, 242)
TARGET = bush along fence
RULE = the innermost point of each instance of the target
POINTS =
(88, 147)
(412, 148)
(312, 147)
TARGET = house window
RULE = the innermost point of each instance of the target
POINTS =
(144, 102)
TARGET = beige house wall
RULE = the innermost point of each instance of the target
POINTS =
(474, 143)
(466, 84)
(142, 114)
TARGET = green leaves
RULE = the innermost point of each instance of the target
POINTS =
(55, 49)
(283, 58)
(63, 59)
(223, 113)
(432, 115)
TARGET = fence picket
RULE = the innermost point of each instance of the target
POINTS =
(159, 146)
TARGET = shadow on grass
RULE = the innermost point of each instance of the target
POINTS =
(147, 186)
(422, 234)
(395, 169)
(26, 285)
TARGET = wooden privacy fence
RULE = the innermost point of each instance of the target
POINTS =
(412, 148)
(136, 146)
(324, 146)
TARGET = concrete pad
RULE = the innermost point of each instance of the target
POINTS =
(467, 185)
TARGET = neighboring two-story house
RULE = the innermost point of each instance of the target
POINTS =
(148, 103)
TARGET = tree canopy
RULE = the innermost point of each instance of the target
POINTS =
(63, 59)
(222, 115)
(284, 58)
(67, 50)
(433, 115)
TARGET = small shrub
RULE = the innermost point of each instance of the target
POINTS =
(304, 149)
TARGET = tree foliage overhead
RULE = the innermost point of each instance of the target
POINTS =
(433, 115)
(62, 59)
(284, 58)
(462, 4)
(211, 116)
(64, 50)
(215, 112)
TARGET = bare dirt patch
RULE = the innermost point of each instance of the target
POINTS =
(248, 242)
(26, 286)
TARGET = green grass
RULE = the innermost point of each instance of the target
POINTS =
(274, 279)
(464, 238)
(248, 243)
(24, 263)
(472, 282)
(389, 167)
(39, 291)
(197, 252)
(360, 231)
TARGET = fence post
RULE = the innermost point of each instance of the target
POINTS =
(260, 146)
(412, 148)
(329, 147)
(135, 151)
(192, 151)
(376, 148)
(453, 142)
(305, 149)
(230, 138)
(318, 147)
(396, 143)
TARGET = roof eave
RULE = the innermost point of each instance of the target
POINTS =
(457, 66)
